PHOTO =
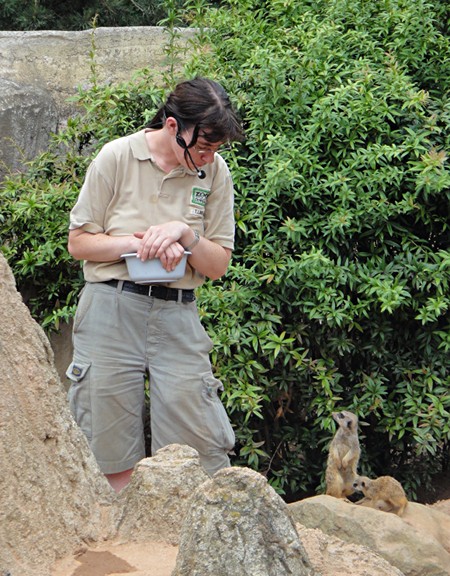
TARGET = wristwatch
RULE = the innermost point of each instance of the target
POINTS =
(194, 242)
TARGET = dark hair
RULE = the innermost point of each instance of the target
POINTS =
(204, 105)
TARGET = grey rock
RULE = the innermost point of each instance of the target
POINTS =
(41, 71)
(157, 498)
(400, 541)
(53, 497)
(238, 526)
(28, 115)
(60, 61)
(331, 556)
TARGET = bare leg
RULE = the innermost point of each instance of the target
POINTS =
(119, 480)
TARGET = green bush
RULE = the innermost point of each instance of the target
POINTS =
(78, 14)
(338, 294)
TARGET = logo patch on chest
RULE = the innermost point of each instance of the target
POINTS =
(199, 196)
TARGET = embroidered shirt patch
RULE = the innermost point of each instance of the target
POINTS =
(199, 196)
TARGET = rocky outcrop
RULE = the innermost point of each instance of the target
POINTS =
(331, 556)
(157, 498)
(40, 71)
(408, 543)
(59, 62)
(53, 497)
(28, 114)
(237, 524)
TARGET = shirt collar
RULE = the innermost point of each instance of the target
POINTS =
(138, 144)
(140, 151)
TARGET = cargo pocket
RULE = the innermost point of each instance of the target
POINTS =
(79, 395)
(217, 420)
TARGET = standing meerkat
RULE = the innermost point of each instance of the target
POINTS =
(343, 456)
(384, 493)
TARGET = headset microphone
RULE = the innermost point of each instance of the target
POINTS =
(200, 173)
(182, 142)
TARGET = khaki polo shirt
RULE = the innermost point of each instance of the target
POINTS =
(125, 192)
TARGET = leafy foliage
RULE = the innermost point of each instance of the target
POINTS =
(338, 294)
(78, 14)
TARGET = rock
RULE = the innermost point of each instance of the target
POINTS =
(53, 497)
(429, 520)
(60, 61)
(238, 526)
(415, 552)
(331, 556)
(442, 505)
(156, 500)
(40, 71)
(27, 116)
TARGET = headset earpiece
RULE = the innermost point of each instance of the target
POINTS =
(181, 141)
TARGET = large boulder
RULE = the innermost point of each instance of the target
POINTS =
(61, 61)
(331, 556)
(157, 498)
(41, 71)
(28, 115)
(409, 547)
(53, 496)
(238, 526)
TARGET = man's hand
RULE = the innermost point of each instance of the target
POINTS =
(163, 242)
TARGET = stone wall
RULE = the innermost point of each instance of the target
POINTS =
(59, 62)
(40, 71)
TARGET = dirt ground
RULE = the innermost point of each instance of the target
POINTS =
(159, 558)
(138, 559)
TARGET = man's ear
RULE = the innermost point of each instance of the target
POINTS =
(172, 125)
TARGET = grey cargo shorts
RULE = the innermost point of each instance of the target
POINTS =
(119, 338)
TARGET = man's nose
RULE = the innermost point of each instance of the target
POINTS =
(207, 156)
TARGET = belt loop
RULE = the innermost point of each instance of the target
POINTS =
(180, 297)
(150, 288)
(119, 286)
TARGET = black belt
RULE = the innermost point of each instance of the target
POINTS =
(156, 291)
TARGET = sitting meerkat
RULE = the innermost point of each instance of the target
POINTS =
(383, 493)
(343, 456)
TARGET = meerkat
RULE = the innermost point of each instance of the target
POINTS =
(343, 456)
(384, 493)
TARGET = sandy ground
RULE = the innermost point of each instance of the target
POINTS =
(138, 559)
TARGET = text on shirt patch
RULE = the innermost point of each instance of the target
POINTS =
(199, 196)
